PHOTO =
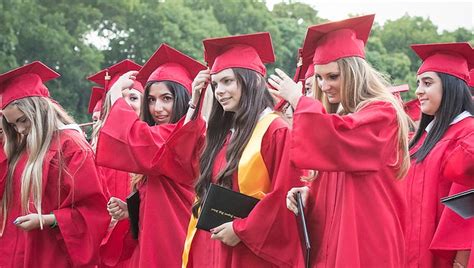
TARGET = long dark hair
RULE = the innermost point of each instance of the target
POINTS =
(180, 102)
(254, 99)
(456, 99)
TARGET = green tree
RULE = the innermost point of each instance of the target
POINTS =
(169, 22)
(53, 32)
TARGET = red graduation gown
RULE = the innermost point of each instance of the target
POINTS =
(356, 207)
(425, 186)
(12, 241)
(269, 234)
(453, 232)
(76, 198)
(167, 155)
(118, 246)
(117, 182)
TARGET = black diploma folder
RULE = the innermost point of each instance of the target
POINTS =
(133, 204)
(223, 205)
(462, 203)
(303, 229)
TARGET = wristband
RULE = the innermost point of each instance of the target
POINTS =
(55, 223)
(192, 105)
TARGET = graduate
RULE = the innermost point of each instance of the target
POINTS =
(246, 151)
(117, 183)
(356, 204)
(52, 189)
(9, 234)
(162, 148)
(447, 119)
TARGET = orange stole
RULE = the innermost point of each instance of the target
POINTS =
(252, 175)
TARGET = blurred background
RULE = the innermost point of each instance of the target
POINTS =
(79, 38)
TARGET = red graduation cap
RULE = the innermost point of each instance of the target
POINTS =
(309, 71)
(107, 77)
(331, 41)
(96, 99)
(169, 64)
(396, 90)
(399, 89)
(455, 59)
(249, 51)
(306, 67)
(412, 108)
(25, 81)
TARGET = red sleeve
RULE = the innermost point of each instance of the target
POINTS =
(453, 233)
(81, 215)
(128, 144)
(118, 245)
(270, 224)
(182, 152)
(459, 166)
(351, 143)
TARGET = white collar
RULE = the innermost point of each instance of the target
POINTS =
(71, 126)
(457, 119)
(265, 112)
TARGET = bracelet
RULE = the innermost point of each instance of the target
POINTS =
(192, 105)
(55, 223)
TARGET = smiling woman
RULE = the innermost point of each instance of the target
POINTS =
(227, 89)
(429, 92)
(246, 151)
(167, 102)
(435, 236)
(161, 145)
(371, 126)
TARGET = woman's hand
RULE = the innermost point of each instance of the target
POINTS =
(291, 203)
(32, 221)
(117, 209)
(285, 87)
(199, 84)
(125, 81)
(225, 233)
(200, 81)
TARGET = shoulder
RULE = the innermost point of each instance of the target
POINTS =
(461, 129)
(277, 128)
(377, 105)
(70, 141)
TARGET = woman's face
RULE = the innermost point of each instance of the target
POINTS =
(429, 92)
(95, 116)
(160, 103)
(308, 85)
(329, 79)
(134, 98)
(17, 119)
(226, 90)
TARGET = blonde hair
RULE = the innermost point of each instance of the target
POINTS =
(104, 112)
(46, 118)
(361, 85)
(135, 179)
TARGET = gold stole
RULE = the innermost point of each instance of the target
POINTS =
(253, 178)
